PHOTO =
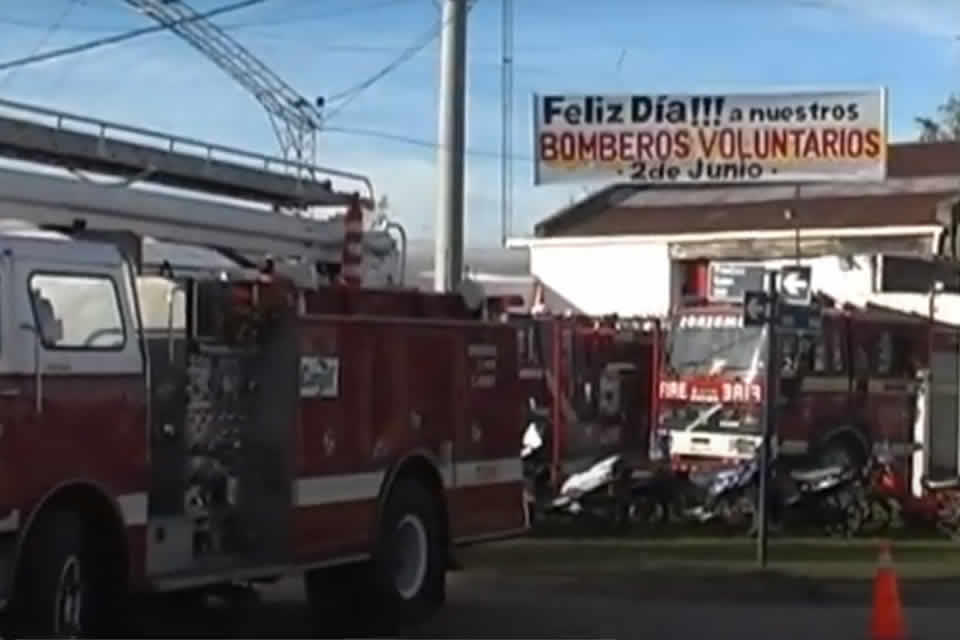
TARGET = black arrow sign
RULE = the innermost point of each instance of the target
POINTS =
(756, 308)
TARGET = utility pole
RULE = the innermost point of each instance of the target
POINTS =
(451, 140)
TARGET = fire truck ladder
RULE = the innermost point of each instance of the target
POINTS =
(295, 120)
(76, 142)
(181, 163)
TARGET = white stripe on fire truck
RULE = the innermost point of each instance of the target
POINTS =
(814, 384)
(334, 489)
(840, 384)
(892, 387)
(133, 506)
(945, 389)
(11, 522)
(896, 448)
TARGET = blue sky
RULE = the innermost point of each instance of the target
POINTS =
(322, 47)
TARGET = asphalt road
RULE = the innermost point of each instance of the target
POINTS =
(484, 606)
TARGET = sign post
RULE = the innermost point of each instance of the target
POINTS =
(785, 306)
(770, 416)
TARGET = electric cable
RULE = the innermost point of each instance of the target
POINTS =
(98, 43)
(54, 26)
(349, 95)
(232, 26)
(416, 142)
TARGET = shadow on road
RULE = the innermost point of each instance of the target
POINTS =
(490, 606)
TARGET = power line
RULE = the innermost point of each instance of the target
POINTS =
(351, 94)
(416, 142)
(120, 37)
(68, 6)
(232, 26)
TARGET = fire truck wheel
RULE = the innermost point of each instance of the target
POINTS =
(61, 595)
(403, 584)
(409, 563)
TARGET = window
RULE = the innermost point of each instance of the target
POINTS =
(77, 311)
(162, 304)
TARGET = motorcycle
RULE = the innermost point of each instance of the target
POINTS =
(827, 496)
(890, 502)
(728, 495)
(616, 491)
(831, 497)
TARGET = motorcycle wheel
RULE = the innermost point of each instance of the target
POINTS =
(649, 510)
(736, 511)
(949, 523)
(877, 516)
(845, 515)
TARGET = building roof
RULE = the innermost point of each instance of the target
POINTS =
(920, 177)
(823, 213)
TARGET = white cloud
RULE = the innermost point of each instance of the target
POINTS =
(938, 18)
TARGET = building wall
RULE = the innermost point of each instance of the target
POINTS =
(638, 278)
(628, 279)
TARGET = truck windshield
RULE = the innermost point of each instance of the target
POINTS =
(714, 350)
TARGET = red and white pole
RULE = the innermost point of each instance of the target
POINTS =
(352, 272)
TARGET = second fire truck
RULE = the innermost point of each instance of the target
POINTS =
(842, 390)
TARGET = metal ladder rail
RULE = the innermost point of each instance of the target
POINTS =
(294, 119)
(178, 144)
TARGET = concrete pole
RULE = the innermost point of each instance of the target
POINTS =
(451, 143)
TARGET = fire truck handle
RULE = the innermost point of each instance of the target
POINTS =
(171, 345)
(38, 369)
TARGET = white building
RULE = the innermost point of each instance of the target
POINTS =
(635, 250)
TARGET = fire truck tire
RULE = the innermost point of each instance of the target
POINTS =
(409, 567)
(374, 598)
(62, 592)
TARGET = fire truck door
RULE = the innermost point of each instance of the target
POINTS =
(488, 462)
(11, 390)
(883, 382)
(84, 395)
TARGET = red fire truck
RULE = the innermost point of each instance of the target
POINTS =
(592, 385)
(175, 417)
(843, 389)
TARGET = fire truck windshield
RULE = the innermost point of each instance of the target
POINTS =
(712, 350)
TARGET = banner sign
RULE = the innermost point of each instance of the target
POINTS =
(734, 138)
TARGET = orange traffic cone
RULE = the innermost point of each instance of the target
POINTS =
(886, 623)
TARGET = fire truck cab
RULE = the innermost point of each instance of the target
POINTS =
(175, 416)
(842, 389)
